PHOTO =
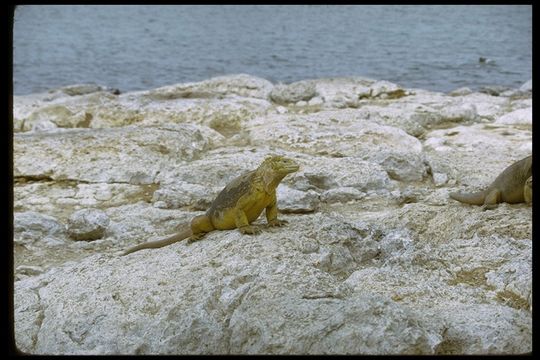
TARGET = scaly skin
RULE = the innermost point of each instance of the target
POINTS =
(238, 204)
(527, 191)
(513, 185)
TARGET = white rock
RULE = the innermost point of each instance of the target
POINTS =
(295, 201)
(125, 154)
(437, 144)
(465, 153)
(281, 109)
(486, 106)
(460, 92)
(87, 224)
(342, 194)
(440, 179)
(527, 86)
(460, 113)
(338, 92)
(293, 93)
(520, 116)
(387, 88)
(238, 84)
(315, 101)
(45, 125)
(28, 270)
(30, 227)
(330, 326)
(320, 173)
(397, 152)
(58, 115)
(222, 103)
(183, 194)
(53, 241)
(512, 282)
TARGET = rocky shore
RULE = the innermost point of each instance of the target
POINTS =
(376, 259)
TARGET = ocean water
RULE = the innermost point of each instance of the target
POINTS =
(142, 47)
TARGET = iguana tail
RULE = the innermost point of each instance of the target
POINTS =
(476, 198)
(161, 243)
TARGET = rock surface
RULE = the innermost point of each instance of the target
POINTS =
(87, 224)
(375, 258)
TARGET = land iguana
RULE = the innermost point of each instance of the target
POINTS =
(527, 191)
(238, 204)
(513, 185)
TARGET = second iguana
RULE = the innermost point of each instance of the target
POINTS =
(513, 185)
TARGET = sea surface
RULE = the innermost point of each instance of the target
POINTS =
(142, 47)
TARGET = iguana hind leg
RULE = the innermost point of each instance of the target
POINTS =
(493, 198)
(200, 225)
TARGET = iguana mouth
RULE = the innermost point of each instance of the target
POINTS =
(291, 168)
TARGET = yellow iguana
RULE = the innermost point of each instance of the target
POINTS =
(238, 204)
(513, 185)
(527, 191)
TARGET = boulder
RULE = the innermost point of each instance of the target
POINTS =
(87, 224)
(30, 227)
(293, 93)
(324, 134)
(517, 117)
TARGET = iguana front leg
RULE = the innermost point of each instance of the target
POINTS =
(271, 214)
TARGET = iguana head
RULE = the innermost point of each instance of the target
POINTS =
(274, 168)
(280, 164)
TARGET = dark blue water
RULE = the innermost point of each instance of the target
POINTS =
(143, 47)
